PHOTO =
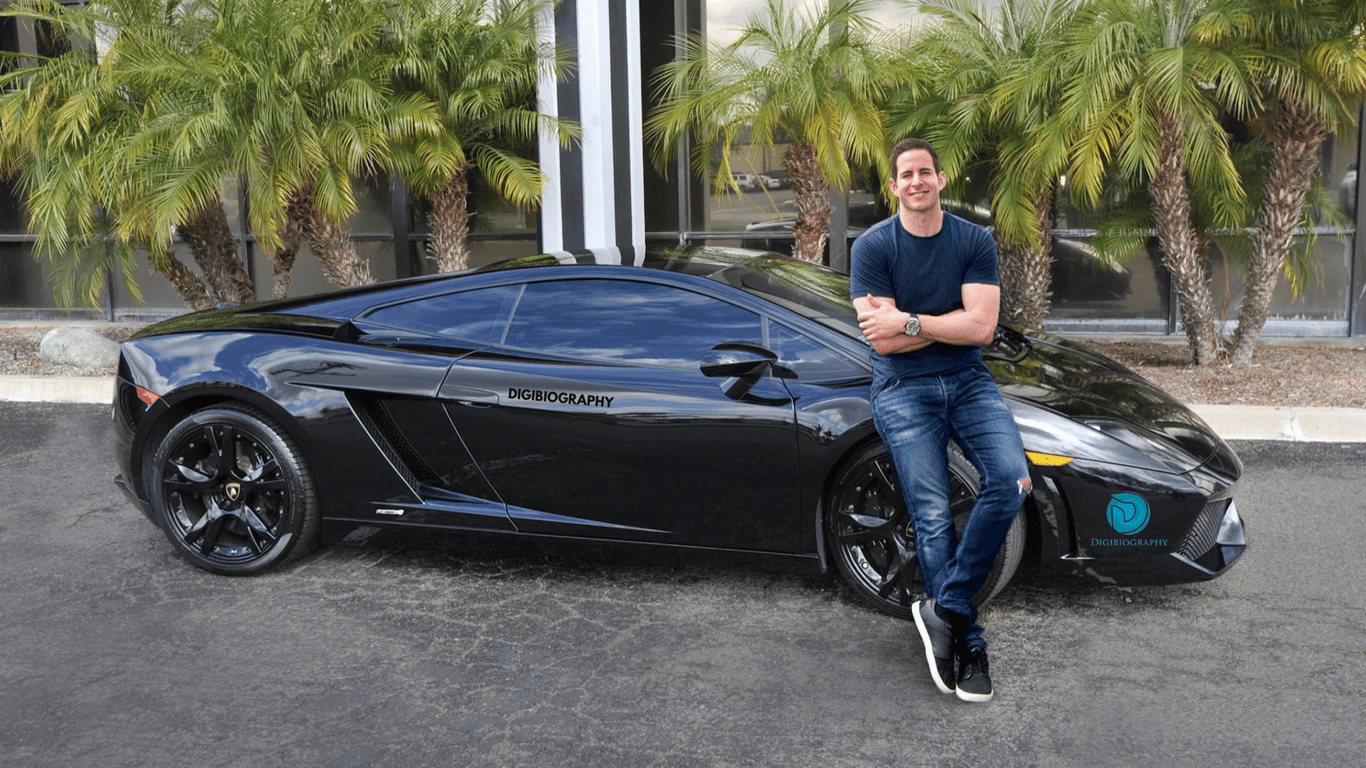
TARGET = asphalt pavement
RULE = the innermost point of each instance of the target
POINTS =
(422, 649)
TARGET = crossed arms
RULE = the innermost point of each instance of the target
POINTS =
(975, 324)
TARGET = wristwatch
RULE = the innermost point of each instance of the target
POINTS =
(913, 325)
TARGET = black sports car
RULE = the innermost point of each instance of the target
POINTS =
(711, 399)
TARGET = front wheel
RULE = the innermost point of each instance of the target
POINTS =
(873, 544)
(232, 491)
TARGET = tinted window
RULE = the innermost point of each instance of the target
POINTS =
(626, 321)
(808, 358)
(476, 316)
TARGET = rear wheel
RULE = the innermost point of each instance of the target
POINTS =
(873, 544)
(232, 491)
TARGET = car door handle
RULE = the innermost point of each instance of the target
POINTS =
(469, 396)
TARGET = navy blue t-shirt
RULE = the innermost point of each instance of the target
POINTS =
(925, 275)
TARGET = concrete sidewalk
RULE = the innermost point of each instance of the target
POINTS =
(1232, 422)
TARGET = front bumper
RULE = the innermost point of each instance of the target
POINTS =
(1216, 541)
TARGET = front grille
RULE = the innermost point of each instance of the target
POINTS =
(1200, 540)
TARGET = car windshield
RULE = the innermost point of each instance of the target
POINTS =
(822, 294)
(815, 291)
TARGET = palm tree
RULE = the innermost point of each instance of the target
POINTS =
(480, 61)
(1310, 67)
(292, 96)
(814, 77)
(990, 77)
(67, 121)
(1145, 103)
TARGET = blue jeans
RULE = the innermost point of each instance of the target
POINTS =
(916, 416)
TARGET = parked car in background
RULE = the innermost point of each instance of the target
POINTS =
(775, 179)
(747, 182)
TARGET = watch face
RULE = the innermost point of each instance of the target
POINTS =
(913, 326)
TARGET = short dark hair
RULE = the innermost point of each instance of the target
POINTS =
(906, 145)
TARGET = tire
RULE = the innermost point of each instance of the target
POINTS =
(870, 537)
(232, 492)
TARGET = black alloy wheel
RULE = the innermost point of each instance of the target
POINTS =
(873, 544)
(232, 491)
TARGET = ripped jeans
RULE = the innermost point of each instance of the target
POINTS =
(916, 415)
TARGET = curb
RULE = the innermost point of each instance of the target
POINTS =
(1231, 422)
(57, 389)
(1294, 423)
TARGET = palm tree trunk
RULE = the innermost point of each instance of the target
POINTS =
(449, 223)
(1181, 244)
(283, 258)
(1026, 272)
(332, 244)
(1296, 134)
(185, 282)
(812, 196)
(210, 240)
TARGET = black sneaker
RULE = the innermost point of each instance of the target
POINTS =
(938, 639)
(974, 681)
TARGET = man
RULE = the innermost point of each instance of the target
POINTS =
(925, 285)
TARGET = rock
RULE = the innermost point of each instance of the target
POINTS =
(78, 347)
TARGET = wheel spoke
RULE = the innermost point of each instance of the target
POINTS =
(259, 537)
(900, 575)
(186, 481)
(198, 529)
(863, 536)
(209, 538)
(194, 476)
(225, 450)
(880, 524)
(880, 470)
(268, 467)
(273, 484)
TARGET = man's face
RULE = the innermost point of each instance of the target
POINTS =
(916, 184)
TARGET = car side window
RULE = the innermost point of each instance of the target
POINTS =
(809, 359)
(479, 316)
(626, 321)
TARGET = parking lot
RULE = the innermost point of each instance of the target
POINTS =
(420, 650)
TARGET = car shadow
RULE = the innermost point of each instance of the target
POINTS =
(614, 563)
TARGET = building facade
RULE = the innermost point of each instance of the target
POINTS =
(606, 192)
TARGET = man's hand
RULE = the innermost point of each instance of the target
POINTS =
(879, 319)
(884, 326)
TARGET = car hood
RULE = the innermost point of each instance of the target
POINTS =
(1097, 392)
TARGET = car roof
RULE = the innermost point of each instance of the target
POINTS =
(808, 289)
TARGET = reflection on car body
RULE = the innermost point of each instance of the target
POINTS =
(708, 398)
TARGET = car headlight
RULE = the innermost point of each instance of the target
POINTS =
(1169, 455)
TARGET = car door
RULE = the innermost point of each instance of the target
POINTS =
(413, 427)
(591, 417)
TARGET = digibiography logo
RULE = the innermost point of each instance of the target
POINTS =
(1128, 513)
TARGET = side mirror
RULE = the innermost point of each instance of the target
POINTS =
(737, 358)
(743, 363)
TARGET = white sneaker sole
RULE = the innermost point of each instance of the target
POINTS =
(929, 649)
(977, 698)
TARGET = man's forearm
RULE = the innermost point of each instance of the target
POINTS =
(958, 327)
(898, 344)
